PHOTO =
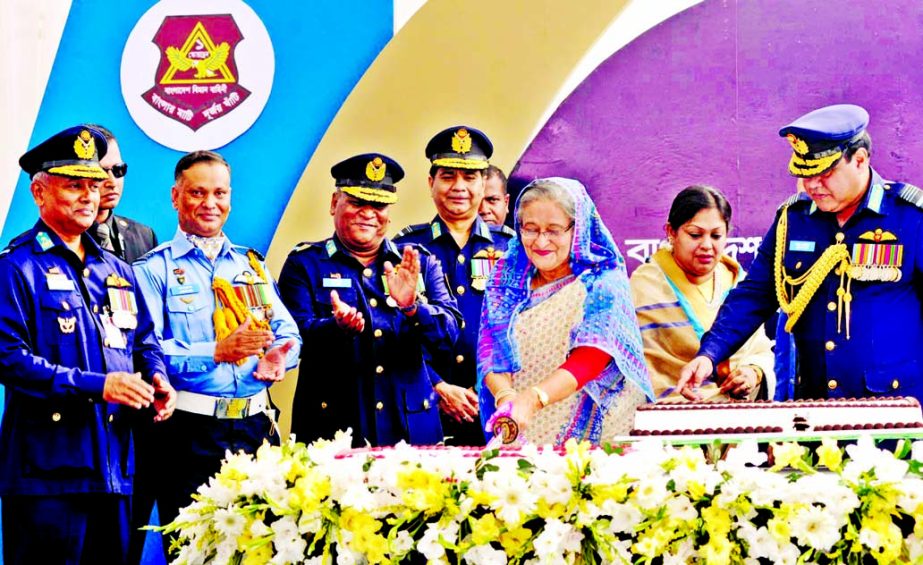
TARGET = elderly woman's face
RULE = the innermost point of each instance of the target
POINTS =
(699, 243)
(546, 232)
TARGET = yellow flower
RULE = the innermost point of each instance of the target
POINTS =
(780, 530)
(717, 520)
(602, 492)
(481, 498)
(485, 530)
(258, 556)
(717, 550)
(514, 540)
(696, 490)
(788, 455)
(829, 454)
(423, 490)
(546, 511)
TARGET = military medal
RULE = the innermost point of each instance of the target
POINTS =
(877, 257)
(122, 305)
(251, 290)
(180, 275)
(482, 263)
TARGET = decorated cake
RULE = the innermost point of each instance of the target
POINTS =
(891, 416)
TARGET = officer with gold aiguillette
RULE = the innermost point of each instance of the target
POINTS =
(843, 260)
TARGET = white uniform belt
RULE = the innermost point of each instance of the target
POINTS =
(221, 407)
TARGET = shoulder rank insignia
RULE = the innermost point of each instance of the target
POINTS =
(436, 228)
(797, 197)
(912, 194)
(331, 247)
(44, 241)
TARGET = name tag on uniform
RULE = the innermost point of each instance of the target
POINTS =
(184, 290)
(59, 282)
(337, 283)
(798, 245)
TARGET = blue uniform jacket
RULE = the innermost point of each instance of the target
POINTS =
(58, 436)
(375, 382)
(175, 280)
(466, 270)
(882, 357)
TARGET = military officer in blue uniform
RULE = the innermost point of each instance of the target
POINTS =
(77, 355)
(225, 333)
(844, 261)
(366, 309)
(467, 247)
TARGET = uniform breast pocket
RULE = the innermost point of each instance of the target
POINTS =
(62, 325)
(421, 412)
(322, 305)
(191, 318)
(800, 255)
(61, 442)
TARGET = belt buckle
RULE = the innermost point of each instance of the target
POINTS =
(232, 408)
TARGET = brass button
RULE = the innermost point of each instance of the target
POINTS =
(86, 273)
(460, 289)
(830, 346)
(459, 358)
(379, 406)
(323, 405)
(895, 384)
(798, 265)
(111, 418)
(379, 369)
(831, 306)
(798, 380)
(463, 324)
(832, 384)
(65, 305)
(377, 333)
(840, 237)
(426, 404)
(461, 259)
(366, 272)
(95, 309)
(373, 303)
(56, 417)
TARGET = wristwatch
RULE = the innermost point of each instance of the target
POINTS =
(408, 309)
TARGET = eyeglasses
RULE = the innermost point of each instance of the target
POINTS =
(552, 234)
(118, 170)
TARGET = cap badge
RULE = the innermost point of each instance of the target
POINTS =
(84, 146)
(461, 141)
(375, 170)
(798, 145)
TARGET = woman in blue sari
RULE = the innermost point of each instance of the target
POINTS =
(559, 347)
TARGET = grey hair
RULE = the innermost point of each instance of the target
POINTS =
(547, 189)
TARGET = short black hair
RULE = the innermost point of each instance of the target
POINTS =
(864, 142)
(495, 171)
(695, 198)
(189, 159)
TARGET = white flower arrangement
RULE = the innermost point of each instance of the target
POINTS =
(324, 504)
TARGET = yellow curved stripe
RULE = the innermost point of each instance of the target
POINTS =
(492, 65)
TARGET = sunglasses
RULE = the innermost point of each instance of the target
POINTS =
(118, 170)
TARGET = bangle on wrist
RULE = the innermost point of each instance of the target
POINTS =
(503, 394)
(542, 396)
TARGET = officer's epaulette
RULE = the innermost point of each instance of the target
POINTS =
(151, 253)
(17, 241)
(412, 228)
(797, 197)
(302, 246)
(504, 229)
(258, 255)
(909, 193)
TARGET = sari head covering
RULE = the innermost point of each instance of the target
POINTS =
(609, 322)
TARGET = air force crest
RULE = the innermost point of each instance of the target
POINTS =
(196, 81)
(196, 75)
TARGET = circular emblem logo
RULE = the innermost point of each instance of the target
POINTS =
(195, 75)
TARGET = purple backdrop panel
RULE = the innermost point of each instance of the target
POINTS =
(700, 99)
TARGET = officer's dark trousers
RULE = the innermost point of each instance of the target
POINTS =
(195, 447)
(149, 459)
(76, 529)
